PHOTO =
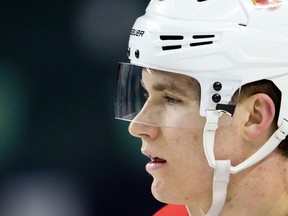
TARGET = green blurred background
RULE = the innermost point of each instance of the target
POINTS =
(61, 151)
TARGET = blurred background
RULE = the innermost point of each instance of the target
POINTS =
(61, 151)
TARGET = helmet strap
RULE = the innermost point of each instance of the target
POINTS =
(221, 167)
(220, 184)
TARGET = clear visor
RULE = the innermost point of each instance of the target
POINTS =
(158, 98)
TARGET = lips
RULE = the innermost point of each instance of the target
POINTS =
(156, 163)
(157, 160)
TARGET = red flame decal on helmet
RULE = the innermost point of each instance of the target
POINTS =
(268, 4)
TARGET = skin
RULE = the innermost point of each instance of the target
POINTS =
(186, 177)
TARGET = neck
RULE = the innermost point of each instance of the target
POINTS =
(261, 190)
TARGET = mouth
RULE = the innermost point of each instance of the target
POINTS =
(156, 160)
(155, 163)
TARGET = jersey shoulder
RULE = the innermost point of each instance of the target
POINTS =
(172, 210)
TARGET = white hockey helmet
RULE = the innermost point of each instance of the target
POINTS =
(223, 44)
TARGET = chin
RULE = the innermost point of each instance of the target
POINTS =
(160, 191)
(165, 193)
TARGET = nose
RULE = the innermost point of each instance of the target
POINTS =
(144, 131)
(144, 124)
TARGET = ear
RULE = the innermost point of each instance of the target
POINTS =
(260, 111)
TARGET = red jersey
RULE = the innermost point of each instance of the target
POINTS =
(172, 210)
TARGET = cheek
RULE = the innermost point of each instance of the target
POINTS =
(229, 145)
(189, 174)
(186, 148)
(183, 144)
(190, 145)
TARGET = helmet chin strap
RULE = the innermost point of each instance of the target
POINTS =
(223, 168)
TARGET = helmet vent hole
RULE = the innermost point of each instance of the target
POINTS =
(201, 0)
(201, 43)
(171, 37)
(203, 36)
(240, 24)
(164, 48)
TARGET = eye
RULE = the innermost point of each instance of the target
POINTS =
(172, 100)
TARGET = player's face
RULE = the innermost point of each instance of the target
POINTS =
(177, 161)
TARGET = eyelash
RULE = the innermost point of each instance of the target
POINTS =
(170, 100)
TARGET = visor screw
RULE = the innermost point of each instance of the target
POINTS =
(216, 98)
(128, 52)
(217, 86)
(137, 54)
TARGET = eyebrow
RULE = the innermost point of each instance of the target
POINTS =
(172, 87)
(169, 87)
